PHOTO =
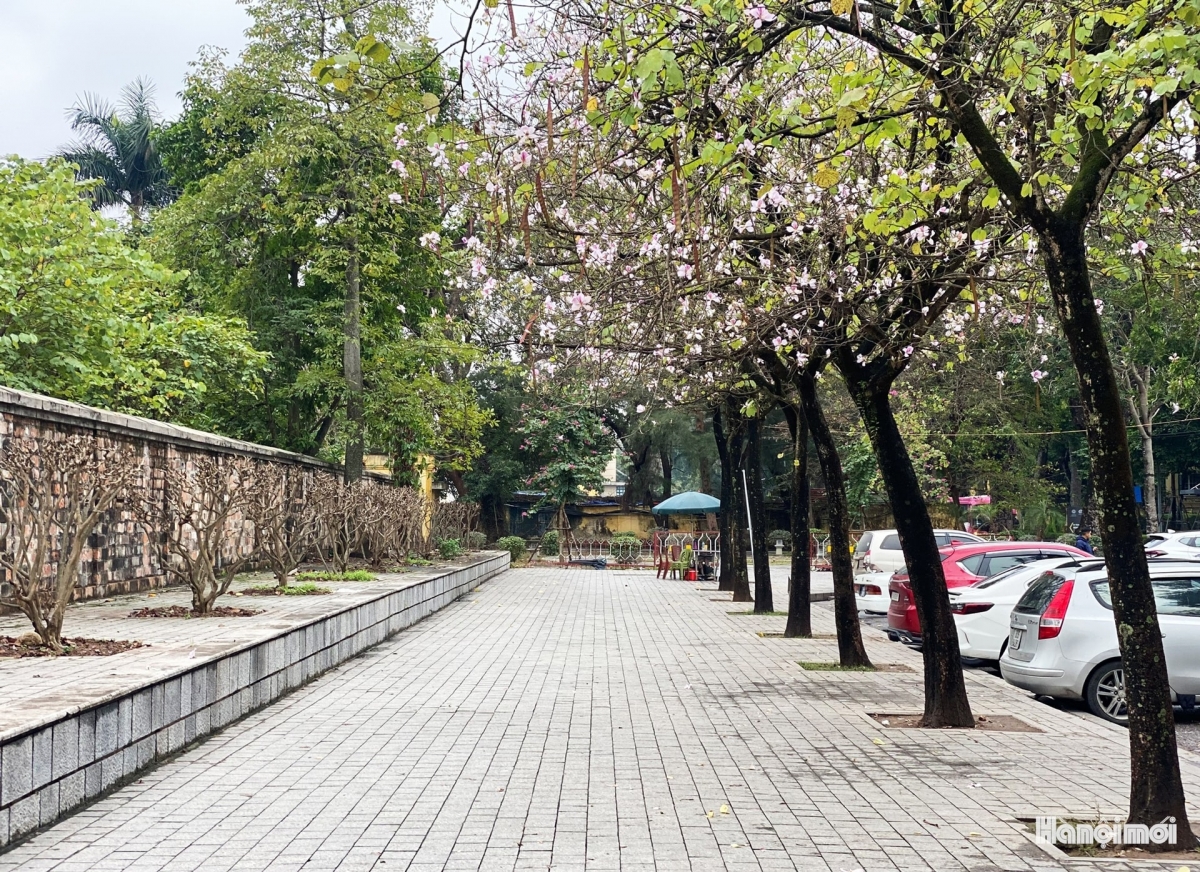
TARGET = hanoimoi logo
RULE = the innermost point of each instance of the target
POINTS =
(1051, 831)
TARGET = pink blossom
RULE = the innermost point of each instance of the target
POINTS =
(759, 15)
(685, 270)
(1037, 375)
(1140, 247)
(908, 350)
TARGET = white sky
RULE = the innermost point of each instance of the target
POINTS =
(54, 50)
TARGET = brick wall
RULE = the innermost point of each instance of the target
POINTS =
(119, 559)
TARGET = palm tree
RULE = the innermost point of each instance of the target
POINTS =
(116, 147)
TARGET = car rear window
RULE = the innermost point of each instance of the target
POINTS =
(1000, 562)
(1177, 596)
(971, 564)
(1172, 596)
(1038, 595)
(864, 543)
(891, 542)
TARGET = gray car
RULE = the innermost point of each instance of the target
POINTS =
(1063, 638)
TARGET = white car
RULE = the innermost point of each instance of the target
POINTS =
(1185, 545)
(871, 592)
(982, 610)
(879, 550)
(1063, 638)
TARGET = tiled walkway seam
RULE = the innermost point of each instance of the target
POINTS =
(52, 769)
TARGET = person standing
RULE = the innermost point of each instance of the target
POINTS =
(1084, 540)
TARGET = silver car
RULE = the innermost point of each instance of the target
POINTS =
(1063, 638)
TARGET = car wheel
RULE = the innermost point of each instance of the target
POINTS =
(1105, 693)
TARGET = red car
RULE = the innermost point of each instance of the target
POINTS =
(964, 565)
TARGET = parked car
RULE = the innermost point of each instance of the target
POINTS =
(871, 592)
(964, 565)
(982, 610)
(1185, 545)
(879, 550)
(1063, 638)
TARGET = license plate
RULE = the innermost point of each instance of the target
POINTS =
(1014, 639)
(895, 596)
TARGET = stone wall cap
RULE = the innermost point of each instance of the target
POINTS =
(79, 415)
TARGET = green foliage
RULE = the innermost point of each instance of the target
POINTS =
(514, 545)
(288, 185)
(573, 447)
(1044, 521)
(117, 150)
(476, 540)
(551, 543)
(349, 575)
(448, 549)
(418, 560)
(784, 536)
(86, 318)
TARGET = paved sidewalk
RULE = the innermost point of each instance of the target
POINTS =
(604, 720)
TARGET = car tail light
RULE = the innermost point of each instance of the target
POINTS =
(1156, 553)
(1052, 619)
(872, 590)
(969, 608)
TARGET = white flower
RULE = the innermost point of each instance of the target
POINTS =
(1140, 247)
(685, 270)
(640, 408)
(1000, 374)
(431, 240)
(395, 198)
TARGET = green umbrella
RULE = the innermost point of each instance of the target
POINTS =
(687, 503)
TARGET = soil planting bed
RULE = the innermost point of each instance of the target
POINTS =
(185, 612)
(837, 667)
(10, 647)
(991, 723)
(814, 637)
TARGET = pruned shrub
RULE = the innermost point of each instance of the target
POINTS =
(55, 493)
(448, 549)
(551, 542)
(514, 545)
(476, 540)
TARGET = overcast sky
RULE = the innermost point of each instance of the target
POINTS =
(55, 50)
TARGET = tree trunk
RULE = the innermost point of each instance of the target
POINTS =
(1156, 789)
(724, 527)
(946, 703)
(664, 457)
(799, 620)
(851, 650)
(352, 371)
(1144, 418)
(764, 598)
(730, 427)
